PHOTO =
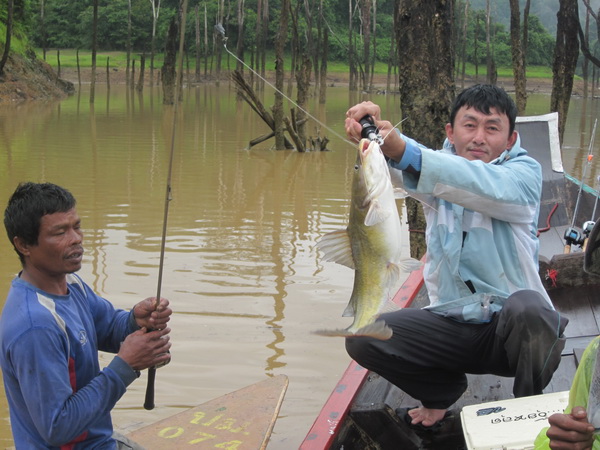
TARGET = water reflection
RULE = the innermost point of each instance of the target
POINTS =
(241, 266)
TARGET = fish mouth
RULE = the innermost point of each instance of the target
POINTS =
(365, 147)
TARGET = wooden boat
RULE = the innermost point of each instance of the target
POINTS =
(243, 419)
(360, 412)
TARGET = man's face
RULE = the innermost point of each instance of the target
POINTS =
(59, 250)
(479, 136)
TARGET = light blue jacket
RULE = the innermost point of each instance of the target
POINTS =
(481, 232)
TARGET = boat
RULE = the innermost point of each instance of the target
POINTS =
(360, 411)
(243, 419)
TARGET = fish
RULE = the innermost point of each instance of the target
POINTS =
(370, 245)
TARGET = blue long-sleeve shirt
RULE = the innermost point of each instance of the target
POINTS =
(57, 395)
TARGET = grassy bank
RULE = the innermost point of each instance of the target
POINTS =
(118, 60)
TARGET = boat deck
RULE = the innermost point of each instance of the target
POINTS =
(373, 410)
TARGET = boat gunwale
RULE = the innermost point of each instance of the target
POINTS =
(327, 425)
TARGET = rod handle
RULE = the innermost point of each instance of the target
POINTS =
(149, 400)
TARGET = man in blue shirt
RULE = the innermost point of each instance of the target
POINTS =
(53, 325)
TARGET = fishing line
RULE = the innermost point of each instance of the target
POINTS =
(395, 126)
(219, 29)
(589, 161)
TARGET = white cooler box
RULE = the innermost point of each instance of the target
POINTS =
(510, 424)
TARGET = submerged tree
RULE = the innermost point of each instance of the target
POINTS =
(94, 50)
(168, 71)
(518, 53)
(426, 62)
(566, 52)
(279, 77)
(155, 14)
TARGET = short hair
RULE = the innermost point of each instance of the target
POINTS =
(27, 205)
(482, 97)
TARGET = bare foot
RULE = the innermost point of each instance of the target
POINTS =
(425, 416)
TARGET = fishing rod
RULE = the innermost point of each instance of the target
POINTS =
(589, 225)
(219, 29)
(149, 398)
(572, 234)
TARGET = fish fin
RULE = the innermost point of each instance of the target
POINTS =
(410, 264)
(378, 330)
(336, 332)
(349, 311)
(336, 247)
(397, 181)
(400, 193)
(392, 275)
(376, 214)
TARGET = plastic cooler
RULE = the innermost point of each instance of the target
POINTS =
(510, 424)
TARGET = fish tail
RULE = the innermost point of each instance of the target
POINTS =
(377, 330)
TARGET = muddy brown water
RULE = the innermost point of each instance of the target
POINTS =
(242, 271)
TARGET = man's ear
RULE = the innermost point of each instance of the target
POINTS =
(512, 139)
(450, 133)
(21, 246)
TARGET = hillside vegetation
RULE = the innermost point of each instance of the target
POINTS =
(26, 77)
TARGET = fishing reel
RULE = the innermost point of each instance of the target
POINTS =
(588, 227)
(369, 130)
(573, 236)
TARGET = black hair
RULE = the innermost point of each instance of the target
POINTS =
(27, 205)
(482, 97)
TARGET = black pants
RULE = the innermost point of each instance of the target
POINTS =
(428, 355)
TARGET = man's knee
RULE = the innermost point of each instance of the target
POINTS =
(357, 348)
(526, 304)
(529, 310)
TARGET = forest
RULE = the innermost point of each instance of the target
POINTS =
(363, 29)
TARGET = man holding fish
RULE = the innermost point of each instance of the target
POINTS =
(488, 312)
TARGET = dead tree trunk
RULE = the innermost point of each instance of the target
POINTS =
(463, 50)
(353, 75)
(566, 52)
(492, 76)
(366, 32)
(128, 80)
(140, 83)
(168, 70)
(518, 57)
(425, 48)
(303, 85)
(246, 92)
(198, 51)
(323, 68)
(240, 43)
(94, 50)
(279, 77)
